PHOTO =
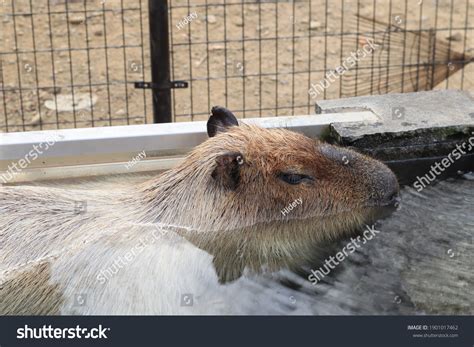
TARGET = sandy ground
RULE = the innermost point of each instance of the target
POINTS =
(262, 73)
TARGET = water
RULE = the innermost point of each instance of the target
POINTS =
(420, 262)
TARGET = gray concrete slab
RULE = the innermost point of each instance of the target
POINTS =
(401, 113)
(414, 130)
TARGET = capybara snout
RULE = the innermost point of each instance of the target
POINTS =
(379, 182)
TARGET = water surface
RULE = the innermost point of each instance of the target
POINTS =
(420, 263)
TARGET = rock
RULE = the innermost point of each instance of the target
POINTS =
(455, 37)
(314, 25)
(120, 112)
(98, 32)
(36, 119)
(29, 105)
(211, 19)
(53, 90)
(214, 47)
(76, 20)
(66, 103)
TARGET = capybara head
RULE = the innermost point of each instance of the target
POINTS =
(269, 169)
(271, 193)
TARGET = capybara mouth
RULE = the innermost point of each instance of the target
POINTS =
(385, 210)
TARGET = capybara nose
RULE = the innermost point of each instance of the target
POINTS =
(385, 186)
(381, 184)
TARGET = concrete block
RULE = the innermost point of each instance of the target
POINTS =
(422, 126)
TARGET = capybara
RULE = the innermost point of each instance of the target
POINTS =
(248, 199)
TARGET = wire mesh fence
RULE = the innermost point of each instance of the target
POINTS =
(73, 63)
(264, 58)
(68, 64)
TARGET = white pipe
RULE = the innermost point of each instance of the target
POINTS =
(106, 149)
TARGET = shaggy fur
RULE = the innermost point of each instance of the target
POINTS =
(52, 254)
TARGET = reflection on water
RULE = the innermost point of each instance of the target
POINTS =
(420, 262)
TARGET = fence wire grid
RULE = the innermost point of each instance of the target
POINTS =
(73, 63)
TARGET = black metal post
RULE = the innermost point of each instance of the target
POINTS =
(160, 60)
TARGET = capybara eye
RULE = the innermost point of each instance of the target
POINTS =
(293, 178)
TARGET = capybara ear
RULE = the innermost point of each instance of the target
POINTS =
(227, 171)
(220, 119)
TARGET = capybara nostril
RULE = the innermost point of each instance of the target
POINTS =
(386, 186)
